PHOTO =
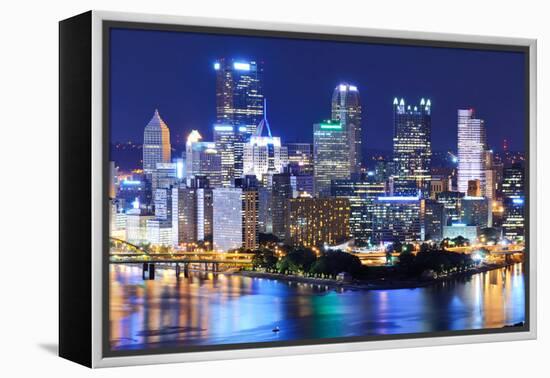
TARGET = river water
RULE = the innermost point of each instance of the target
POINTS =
(212, 309)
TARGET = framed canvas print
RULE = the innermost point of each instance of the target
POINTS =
(232, 189)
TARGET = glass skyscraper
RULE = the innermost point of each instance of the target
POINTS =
(412, 146)
(346, 108)
(239, 93)
(471, 150)
(330, 155)
(156, 144)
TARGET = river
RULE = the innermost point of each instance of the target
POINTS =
(212, 309)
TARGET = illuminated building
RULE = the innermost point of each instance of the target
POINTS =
(396, 218)
(229, 141)
(433, 219)
(202, 159)
(471, 149)
(117, 220)
(412, 147)
(490, 176)
(204, 198)
(513, 191)
(159, 232)
(474, 188)
(227, 219)
(302, 184)
(239, 93)
(281, 189)
(113, 180)
(164, 176)
(130, 189)
(262, 154)
(330, 155)
(453, 206)
(346, 108)
(438, 185)
(460, 229)
(361, 195)
(318, 221)
(476, 212)
(184, 215)
(250, 204)
(384, 170)
(265, 215)
(156, 144)
(300, 158)
(162, 201)
(136, 224)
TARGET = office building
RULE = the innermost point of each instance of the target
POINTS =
(262, 153)
(205, 213)
(202, 159)
(281, 193)
(302, 185)
(474, 188)
(472, 145)
(346, 108)
(227, 219)
(361, 194)
(136, 224)
(476, 211)
(250, 213)
(164, 176)
(239, 93)
(156, 144)
(184, 215)
(159, 232)
(330, 155)
(513, 192)
(460, 229)
(452, 201)
(318, 221)
(412, 147)
(432, 214)
(229, 143)
(300, 158)
(396, 218)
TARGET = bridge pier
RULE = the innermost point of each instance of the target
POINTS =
(186, 270)
(178, 271)
(148, 272)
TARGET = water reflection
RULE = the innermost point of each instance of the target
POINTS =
(208, 308)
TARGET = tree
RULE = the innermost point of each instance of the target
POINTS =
(461, 241)
(425, 247)
(397, 246)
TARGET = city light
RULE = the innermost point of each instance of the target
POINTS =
(241, 66)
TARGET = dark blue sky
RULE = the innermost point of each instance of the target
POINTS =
(174, 72)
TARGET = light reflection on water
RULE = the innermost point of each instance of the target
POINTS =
(209, 309)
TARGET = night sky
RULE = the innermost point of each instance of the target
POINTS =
(173, 71)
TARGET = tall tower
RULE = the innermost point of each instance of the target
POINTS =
(471, 150)
(346, 108)
(239, 93)
(412, 146)
(331, 158)
(156, 144)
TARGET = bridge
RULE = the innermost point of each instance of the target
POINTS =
(122, 252)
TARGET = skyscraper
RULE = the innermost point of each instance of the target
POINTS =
(239, 93)
(412, 146)
(513, 191)
(184, 215)
(156, 144)
(361, 194)
(229, 142)
(346, 108)
(250, 207)
(202, 159)
(281, 193)
(262, 154)
(471, 149)
(330, 155)
(227, 219)
(300, 158)
(396, 219)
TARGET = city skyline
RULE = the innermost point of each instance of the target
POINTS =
(183, 89)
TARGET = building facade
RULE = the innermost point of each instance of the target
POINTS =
(346, 108)
(471, 145)
(156, 144)
(227, 219)
(412, 147)
(318, 221)
(396, 219)
(239, 93)
(330, 155)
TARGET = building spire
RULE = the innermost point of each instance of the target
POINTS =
(263, 122)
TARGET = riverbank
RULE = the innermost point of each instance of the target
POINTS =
(377, 284)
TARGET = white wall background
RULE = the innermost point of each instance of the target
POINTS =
(28, 200)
